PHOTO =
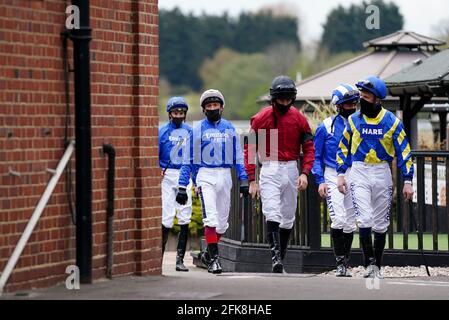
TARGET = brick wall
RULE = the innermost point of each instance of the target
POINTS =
(124, 77)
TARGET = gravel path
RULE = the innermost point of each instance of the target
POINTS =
(399, 272)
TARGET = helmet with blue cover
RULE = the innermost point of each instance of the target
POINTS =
(177, 103)
(374, 85)
(345, 94)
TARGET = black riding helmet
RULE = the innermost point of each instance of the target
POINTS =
(283, 88)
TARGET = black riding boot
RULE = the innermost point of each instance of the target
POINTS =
(338, 240)
(368, 252)
(215, 266)
(379, 246)
(182, 244)
(275, 249)
(165, 232)
(206, 257)
(284, 235)
(349, 237)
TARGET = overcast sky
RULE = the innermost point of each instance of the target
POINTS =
(420, 15)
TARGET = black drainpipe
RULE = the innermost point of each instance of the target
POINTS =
(110, 151)
(81, 39)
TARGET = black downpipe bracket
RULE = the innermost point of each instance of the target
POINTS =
(81, 38)
(110, 151)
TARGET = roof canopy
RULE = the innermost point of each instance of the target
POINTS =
(429, 76)
(377, 63)
(391, 54)
(406, 39)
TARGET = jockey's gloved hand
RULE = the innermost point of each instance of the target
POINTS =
(244, 187)
(181, 197)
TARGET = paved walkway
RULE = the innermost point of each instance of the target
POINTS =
(197, 284)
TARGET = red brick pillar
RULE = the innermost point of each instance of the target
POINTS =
(124, 77)
(145, 151)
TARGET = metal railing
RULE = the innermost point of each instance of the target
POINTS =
(247, 223)
(413, 224)
(429, 220)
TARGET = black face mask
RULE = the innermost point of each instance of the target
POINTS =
(369, 109)
(346, 113)
(282, 108)
(178, 121)
(213, 115)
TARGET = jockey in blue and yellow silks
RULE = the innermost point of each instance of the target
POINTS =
(375, 141)
(372, 138)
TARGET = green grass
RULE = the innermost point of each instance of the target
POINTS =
(398, 241)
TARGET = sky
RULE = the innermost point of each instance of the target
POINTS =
(420, 15)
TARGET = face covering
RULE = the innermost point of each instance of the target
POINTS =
(369, 109)
(346, 113)
(282, 108)
(178, 121)
(213, 115)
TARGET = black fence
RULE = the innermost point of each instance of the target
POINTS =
(431, 220)
(415, 226)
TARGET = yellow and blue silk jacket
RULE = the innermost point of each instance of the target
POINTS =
(375, 141)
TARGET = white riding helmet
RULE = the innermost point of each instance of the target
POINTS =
(212, 95)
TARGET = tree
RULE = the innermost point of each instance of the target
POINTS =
(441, 31)
(164, 93)
(179, 55)
(282, 57)
(211, 68)
(242, 80)
(281, 9)
(255, 32)
(185, 41)
(346, 29)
